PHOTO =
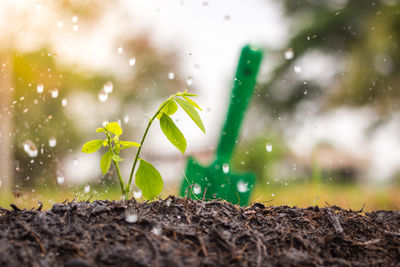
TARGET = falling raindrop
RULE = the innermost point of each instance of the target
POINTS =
(30, 148)
(297, 69)
(60, 178)
(137, 194)
(171, 75)
(131, 216)
(132, 61)
(40, 88)
(87, 188)
(305, 92)
(272, 195)
(64, 102)
(108, 87)
(75, 28)
(75, 19)
(289, 54)
(54, 93)
(268, 147)
(196, 189)
(242, 187)
(189, 80)
(52, 141)
(156, 230)
(225, 168)
(120, 50)
(126, 118)
(103, 96)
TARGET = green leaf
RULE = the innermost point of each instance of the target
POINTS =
(191, 111)
(129, 144)
(100, 130)
(92, 146)
(194, 104)
(117, 158)
(172, 132)
(114, 128)
(105, 162)
(149, 180)
(187, 94)
(170, 108)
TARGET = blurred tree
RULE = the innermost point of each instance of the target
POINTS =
(362, 36)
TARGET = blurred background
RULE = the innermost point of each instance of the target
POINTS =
(323, 126)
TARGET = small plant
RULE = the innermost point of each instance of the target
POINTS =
(147, 178)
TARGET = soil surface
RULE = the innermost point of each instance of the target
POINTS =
(182, 232)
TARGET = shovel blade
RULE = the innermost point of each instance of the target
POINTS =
(212, 182)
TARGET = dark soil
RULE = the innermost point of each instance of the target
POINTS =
(181, 232)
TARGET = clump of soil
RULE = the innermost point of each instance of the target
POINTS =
(183, 232)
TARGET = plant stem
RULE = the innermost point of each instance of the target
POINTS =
(128, 186)
(121, 181)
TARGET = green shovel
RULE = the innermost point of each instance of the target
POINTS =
(217, 180)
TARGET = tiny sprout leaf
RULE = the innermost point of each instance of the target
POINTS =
(114, 128)
(105, 142)
(187, 94)
(105, 162)
(172, 132)
(149, 180)
(92, 146)
(100, 130)
(117, 158)
(129, 144)
(194, 104)
(191, 111)
(170, 108)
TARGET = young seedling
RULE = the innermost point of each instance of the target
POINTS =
(147, 178)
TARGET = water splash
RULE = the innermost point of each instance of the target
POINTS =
(196, 189)
(30, 148)
(242, 186)
(156, 230)
(131, 216)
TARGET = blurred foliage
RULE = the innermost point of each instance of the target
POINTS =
(363, 36)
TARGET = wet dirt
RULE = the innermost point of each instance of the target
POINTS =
(183, 232)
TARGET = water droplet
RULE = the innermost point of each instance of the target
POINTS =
(60, 178)
(168, 202)
(305, 92)
(30, 148)
(131, 216)
(75, 27)
(87, 188)
(132, 61)
(126, 118)
(297, 69)
(137, 194)
(64, 102)
(196, 189)
(289, 54)
(40, 88)
(108, 87)
(189, 80)
(171, 75)
(104, 123)
(156, 230)
(103, 96)
(120, 50)
(225, 168)
(54, 93)
(242, 186)
(74, 19)
(268, 147)
(52, 141)
(272, 195)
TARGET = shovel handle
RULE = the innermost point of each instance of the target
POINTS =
(244, 82)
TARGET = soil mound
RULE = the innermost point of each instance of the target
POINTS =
(183, 232)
